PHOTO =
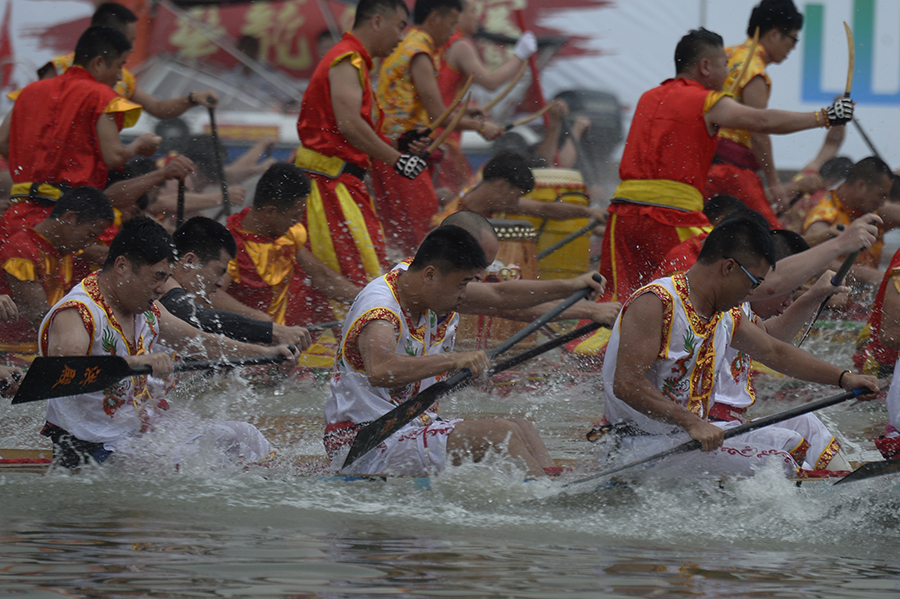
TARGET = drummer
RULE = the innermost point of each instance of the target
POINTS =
(506, 178)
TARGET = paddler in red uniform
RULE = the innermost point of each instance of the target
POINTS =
(63, 132)
(461, 59)
(408, 93)
(740, 153)
(338, 127)
(667, 155)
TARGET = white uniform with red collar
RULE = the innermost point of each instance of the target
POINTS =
(420, 447)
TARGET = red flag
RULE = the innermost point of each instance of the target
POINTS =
(7, 64)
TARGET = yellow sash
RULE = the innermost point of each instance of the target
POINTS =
(661, 192)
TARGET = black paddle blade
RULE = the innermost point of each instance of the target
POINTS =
(871, 470)
(371, 435)
(70, 375)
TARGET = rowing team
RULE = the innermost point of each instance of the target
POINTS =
(677, 363)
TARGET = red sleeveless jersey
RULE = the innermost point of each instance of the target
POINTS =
(317, 125)
(668, 138)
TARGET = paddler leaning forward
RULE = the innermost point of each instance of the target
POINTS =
(667, 348)
(114, 313)
(397, 341)
(667, 155)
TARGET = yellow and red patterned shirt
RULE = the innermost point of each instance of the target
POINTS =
(397, 97)
(832, 211)
(737, 55)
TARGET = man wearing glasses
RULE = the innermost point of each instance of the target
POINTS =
(667, 349)
(741, 154)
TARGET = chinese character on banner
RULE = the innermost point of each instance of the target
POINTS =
(191, 41)
(280, 33)
(499, 18)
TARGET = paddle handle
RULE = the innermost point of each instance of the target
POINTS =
(545, 347)
(567, 239)
(322, 326)
(836, 280)
(179, 216)
(192, 365)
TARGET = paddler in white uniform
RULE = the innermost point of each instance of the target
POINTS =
(667, 348)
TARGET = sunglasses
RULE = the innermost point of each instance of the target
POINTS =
(753, 280)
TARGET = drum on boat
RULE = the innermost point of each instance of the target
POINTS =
(560, 185)
(516, 259)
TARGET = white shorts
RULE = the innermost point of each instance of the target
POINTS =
(414, 450)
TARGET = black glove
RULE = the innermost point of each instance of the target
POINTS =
(410, 165)
(409, 137)
(840, 112)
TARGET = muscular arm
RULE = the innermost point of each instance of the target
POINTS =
(230, 324)
(114, 152)
(169, 109)
(377, 345)
(788, 324)
(331, 283)
(346, 101)
(421, 71)
(639, 342)
(31, 299)
(487, 298)
(730, 114)
(464, 57)
(557, 210)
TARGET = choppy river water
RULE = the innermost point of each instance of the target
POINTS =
(479, 531)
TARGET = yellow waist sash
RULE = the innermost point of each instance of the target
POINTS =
(660, 192)
(328, 166)
(22, 191)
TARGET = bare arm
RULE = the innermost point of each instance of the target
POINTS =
(639, 342)
(756, 95)
(248, 164)
(833, 141)
(114, 152)
(549, 144)
(604, 313)
(464, 57)
(330, 282)
(486, 298)
(788, 324)
(557, 210)
(421, 71)
(728, 113)
(169, 109)
(377, 345)
(31, 299)
(346, 100)
(794, 362)
(124, 194)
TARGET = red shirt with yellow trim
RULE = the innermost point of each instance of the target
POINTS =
(125, 87)
(317, 125)
(265, 275)
(872, 356)
(53, 130)
(28, 257)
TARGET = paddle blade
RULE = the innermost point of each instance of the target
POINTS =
(374, 433)
(70, 375)
(871, 470)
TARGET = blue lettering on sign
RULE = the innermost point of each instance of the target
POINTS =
(863, 27)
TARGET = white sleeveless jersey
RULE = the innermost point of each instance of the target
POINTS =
(352, 398)
(688, 360)
(733, 385)
(108, 415)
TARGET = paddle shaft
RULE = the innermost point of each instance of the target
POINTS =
(567, 239)
(866, 139)
(836, 280)
(375, 432)
(322, 326)
(220, 168)
(179, 218)
(729, 433)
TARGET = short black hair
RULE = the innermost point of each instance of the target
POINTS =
(895, 188)
(691, 48)
(869, 170)
(788, 243)
(110, 14)
(205, 238)
(740, 238)
(722, 206)
(88, 203)
(774, 14)
(100, 41)
(366, 9)
(474, 223)
(280, 186)
(836, 168)
(450, 249)
(423, 8)
(143, 241)
(511, 167)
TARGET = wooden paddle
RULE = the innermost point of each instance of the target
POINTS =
(836, 280)
(72, 375)
(179, 214)
(729, 433)
(375, 432)
(507, 89)
(220, 169)
(871, 470)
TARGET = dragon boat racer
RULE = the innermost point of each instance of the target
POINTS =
(114, 312)
(394, 345)
(667, 350)
(63, 132)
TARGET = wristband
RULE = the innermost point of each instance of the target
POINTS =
(818, 118)
(841, 378)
